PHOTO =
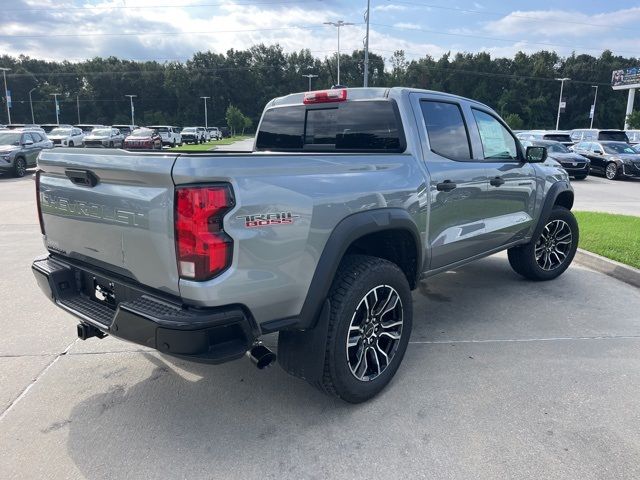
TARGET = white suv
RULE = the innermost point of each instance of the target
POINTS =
(170, 135)
(66, 136)
(214, 133)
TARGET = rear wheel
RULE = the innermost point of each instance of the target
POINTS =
(71, 143)
(611, 171)
(19, 167)
(369, 328)
(549, 255)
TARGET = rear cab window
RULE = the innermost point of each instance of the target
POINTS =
(352, 126)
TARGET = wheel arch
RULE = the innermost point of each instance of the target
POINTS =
(559, 194)
(388, 233)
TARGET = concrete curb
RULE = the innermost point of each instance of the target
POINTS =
(614, 269)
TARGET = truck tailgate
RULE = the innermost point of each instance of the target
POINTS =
(112, 209)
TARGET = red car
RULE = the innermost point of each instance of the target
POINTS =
(143, 139)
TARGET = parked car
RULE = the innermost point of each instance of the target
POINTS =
(191, 135)
(594, 135)
(634, 136)
(226, 132)
(356, 196)
(19, 150)
(88, 127)
(636, 147)
(611, 159)
(553, 135)
(144, 139)
(125, 129)
(214, 133)
(66, 136)
(106, 137)
(204, 134)
(170, 135)
(574, 164)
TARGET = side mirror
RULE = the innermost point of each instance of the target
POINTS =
(28, 143)
(598, 152)
(536, 154)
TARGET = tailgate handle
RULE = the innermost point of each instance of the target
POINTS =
(85, 178)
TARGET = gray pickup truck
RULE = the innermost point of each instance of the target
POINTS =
(349, 199)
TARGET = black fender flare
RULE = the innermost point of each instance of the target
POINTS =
(350, 229)
(549, 202)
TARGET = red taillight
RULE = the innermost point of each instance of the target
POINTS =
(203, 248)
(38, 202)
(325, 96)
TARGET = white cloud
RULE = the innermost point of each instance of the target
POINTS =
(407, 25)
(389, 8)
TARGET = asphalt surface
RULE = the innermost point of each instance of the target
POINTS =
(503, 378)
(597, 194)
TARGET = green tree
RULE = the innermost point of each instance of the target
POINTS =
(634, 119)
(514, 121)
(247, 123)
(235, 119)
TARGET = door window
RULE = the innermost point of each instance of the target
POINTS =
(497, 141)
(26, 137)
(446, 129)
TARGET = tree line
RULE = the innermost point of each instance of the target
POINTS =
(522, 88)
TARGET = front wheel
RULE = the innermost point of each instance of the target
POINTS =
(369, 328)
(550, 254)
(71, 144)
(611, 171)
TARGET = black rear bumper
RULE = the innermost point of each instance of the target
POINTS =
(130, 312)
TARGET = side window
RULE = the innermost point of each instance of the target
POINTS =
(497, 141)
(26, 137)
(446, 129)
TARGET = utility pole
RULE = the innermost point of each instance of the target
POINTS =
(6, 92)
(55, 99)
(310, 76)
(338, 24)
(593, 107)
(206, 118)
(561, 80)
(131, 97)
(366, 47)
(31, 105)
(78, 107)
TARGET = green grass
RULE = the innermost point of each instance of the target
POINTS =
(613, 236)
(204, 147)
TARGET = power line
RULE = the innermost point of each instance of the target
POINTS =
(514, 15)
(510, 40)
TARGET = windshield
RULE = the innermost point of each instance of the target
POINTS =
(618, 148)
(161, 129)
(101, 132)
(557, 148)
(558, 137)
(10, 138)
(142, 132)
(189, 129)
(617, 136)
(60, 131)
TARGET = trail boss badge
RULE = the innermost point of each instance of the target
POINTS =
(267, 219)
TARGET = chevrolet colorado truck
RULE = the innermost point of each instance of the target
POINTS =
(349, 199)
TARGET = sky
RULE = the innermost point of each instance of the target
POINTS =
(167, 30)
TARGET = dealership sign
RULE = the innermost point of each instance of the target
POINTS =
(625, 79)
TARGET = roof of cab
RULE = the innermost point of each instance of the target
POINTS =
(369, 93)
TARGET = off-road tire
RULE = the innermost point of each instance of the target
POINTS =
(523, 258)
(356, 276)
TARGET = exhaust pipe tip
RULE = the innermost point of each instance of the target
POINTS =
(261, 356)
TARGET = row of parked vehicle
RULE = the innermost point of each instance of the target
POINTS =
(153, 136)
(612, 153)
(21, 144)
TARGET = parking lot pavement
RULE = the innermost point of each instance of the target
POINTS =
(503, 378)
(597, 194)
(240, 146)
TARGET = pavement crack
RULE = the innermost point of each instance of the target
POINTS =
(35, 380)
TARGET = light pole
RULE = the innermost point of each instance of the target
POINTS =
(31, 105)
(338, 24)
(55, 99)
(366, 47)
(6, 92)
(561, 80)
(131, 97)
(593, 109)
(310, 76)
(206, 119)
